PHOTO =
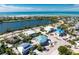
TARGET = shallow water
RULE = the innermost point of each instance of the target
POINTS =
(39, 13)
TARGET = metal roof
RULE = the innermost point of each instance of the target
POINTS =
(42, 39)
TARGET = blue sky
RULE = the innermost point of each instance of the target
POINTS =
(39, 7)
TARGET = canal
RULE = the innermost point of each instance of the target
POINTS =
(11, 26)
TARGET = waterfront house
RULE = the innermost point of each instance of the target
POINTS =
(42, 39)
(29, 32)
(36, 29)
(24, 48)
(49, 28)
(59, 32)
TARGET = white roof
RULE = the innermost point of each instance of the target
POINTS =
(77, 42)
(20, 49)
(37, 29)
(38, 52)
(48, 28)
(9, 45)
(77, 25)
(15, 51)
(29, 32)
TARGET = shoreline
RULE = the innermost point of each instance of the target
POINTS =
(36, 15)
(11, 21)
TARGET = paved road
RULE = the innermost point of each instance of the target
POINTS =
(53, 50)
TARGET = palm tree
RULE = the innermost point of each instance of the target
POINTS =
(9, 51)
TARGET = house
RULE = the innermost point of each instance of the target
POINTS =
(77, 44)
(15, 51)
(12, 40)
(59, 32)
(42, 39)
(37, 29)
(49, 28)
(77, 26)
(9, 45)
(29, 32)
(77, 33)
(24, 48)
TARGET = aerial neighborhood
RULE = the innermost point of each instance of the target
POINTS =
(47, 35)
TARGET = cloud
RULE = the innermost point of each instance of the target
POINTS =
(74, 8)
(10, 8)
(14, 8)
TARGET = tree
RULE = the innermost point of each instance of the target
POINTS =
(35, 46)
(1, 21)
(31, 52)
(64, 50)
(8, 51)
(54, 19)
(2, 47)
(77, 39)
(68, 46)
(72, 42)
(64, 26)
(25, 38)
(40, 48)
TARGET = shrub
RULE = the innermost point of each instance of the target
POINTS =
(40, 48)
(72, 42)
(64, 50)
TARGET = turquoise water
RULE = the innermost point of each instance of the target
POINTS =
(18, 25)
(39, 13)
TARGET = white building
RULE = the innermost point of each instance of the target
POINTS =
(48, 28)
(77, 44)
(15, 51)
(36, 29)
(24, 48)
(77, 26)
(29, 32)
(9, 45)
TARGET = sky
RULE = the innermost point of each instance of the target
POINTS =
(39, 7)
